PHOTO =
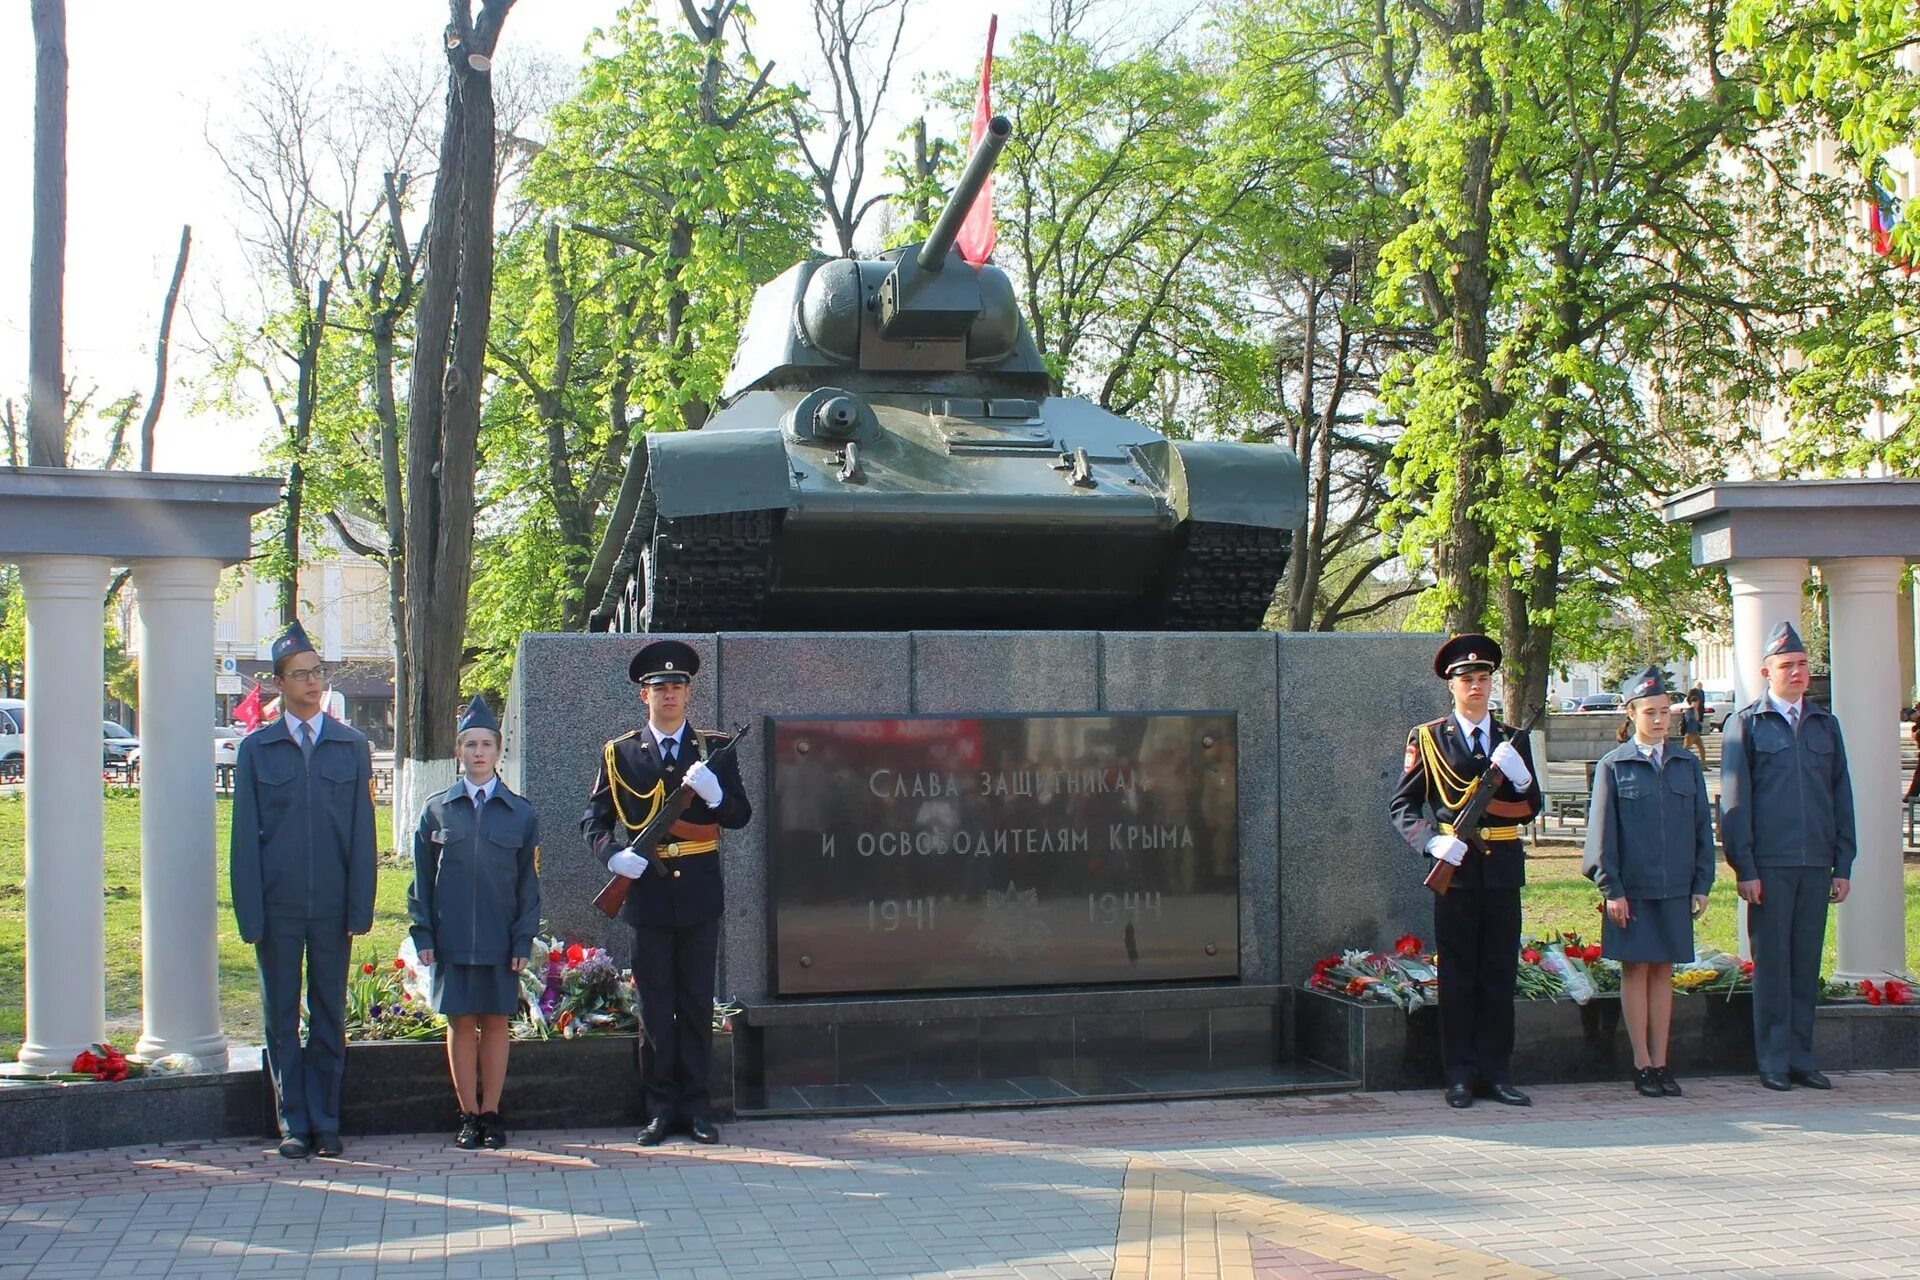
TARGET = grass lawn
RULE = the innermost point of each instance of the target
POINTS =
(1557, 899)
(239, 987)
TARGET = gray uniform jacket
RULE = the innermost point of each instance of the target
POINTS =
(302, 846)
(475, 897)
(1785, 800)
(1648, 835)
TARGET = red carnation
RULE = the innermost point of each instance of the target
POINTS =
(366, 968)
(1572, 952)
(1590, 954)
(1530, 956)
(575, 954)
(1746, 968)
(1896, 991)
(1407, 946)
(1320, 967)
(1871, 992)
(84, 1061)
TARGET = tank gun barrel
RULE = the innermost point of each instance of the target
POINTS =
(939, 242)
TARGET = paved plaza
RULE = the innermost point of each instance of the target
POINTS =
(1591, 1182)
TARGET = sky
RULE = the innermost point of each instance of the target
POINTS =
(149, 84)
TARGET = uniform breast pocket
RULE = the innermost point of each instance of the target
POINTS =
(1681, 781)
(336, 769)
(1630, 786)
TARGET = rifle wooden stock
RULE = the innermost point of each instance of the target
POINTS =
(614, 896)
(1466, 827)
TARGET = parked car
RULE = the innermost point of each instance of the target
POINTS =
(117, 744)
(13, 739)
(226, 746)
(1600, 702)
(1720, 705)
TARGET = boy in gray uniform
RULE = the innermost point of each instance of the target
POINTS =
(1786, 826)
(302, 868)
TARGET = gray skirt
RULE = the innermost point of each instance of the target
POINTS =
(466, 989)
(1658, 931)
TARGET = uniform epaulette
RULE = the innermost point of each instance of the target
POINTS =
(631, 733)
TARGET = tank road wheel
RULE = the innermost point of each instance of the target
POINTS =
(1226, 577)
(707, 573)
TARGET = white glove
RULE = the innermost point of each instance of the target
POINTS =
(705, 783)
(1508, 761)
(627, 863)
(1447, 849)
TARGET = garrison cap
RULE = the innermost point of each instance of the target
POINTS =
(664, 662)
(289, 642)
(1782, 639)
(478, 715)
(1649, 683)
(1468, 651)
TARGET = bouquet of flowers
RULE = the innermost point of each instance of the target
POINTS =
(1892, 991)
(1566, 959)
(572, 990)
(99, 1062)
(1714, 971)
(381, 1007)
(1534, 980)
(1404, 977)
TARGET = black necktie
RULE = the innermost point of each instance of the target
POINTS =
(666, 752)
(1479, 743)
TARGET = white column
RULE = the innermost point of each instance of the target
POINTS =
(180, 962)
(1765, 593)
(1866, 698)
(66, 858)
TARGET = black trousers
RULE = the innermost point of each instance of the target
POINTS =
(1477, 932)
(673, 968)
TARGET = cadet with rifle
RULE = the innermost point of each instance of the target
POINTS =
(1460, 769)
(673, 898)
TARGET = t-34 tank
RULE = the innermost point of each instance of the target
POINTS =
(888, 455)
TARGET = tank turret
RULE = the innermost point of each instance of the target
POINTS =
(888, 454)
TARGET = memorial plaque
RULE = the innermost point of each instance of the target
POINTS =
(926, 852)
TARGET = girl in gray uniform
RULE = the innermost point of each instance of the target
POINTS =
(475, 904)
(1650, 850)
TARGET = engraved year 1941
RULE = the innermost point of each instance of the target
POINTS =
(887, 915)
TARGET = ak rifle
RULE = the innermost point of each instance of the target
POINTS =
(1466, 823)
(648, 838)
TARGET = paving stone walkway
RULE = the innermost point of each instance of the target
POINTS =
(1590, 1182)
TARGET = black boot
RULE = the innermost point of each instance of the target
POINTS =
(493, 1134)
(1646, 1082)
(469, 1137)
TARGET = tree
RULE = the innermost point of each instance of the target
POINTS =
(46, 411)
(1845, 67)
(443, 402)
(858, 42)
(1648, 258)
(1307, 105)
(665, 198)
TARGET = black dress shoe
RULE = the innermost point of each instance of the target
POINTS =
(1775, 1081)
(704, 1131)
(1508, 1096)
(1646, 1082)
(493, 1134)
(655, 1133)
(1460, 1096)
(1810, 1078)
(1668, 1085)
(327, 1144)
(468, 1139)
(294, 1147)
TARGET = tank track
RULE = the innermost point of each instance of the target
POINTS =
(704, 573)
(1225, 577)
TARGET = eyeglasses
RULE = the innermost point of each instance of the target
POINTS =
(306, 673)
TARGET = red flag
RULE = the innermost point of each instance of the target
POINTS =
(976, 233)
(247, 710)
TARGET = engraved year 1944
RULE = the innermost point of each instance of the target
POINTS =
(889, 914)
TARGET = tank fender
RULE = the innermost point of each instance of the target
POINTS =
(1226, 482)
(712, 472)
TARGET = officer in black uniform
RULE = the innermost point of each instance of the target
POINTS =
(1476, 923)
(302, 869)
(674, 905)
